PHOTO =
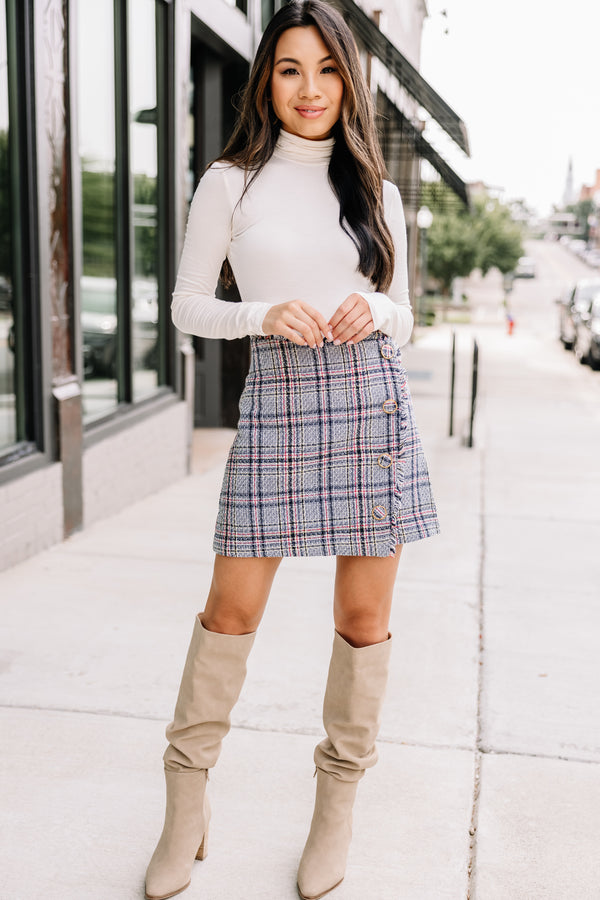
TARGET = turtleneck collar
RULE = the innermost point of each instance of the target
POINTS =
(299, 149)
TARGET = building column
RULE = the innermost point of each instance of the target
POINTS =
(55, 205)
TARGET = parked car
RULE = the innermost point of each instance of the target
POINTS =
(99, 324)
(592, 258)
(5, 295)
(575, 302)
(525, 267)
(587, 335)
(578, 246)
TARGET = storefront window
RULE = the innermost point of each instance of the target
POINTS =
(268, 10)
(242, 5)
(8, 417)
(98, 288)
(143, 139)
(124, 229)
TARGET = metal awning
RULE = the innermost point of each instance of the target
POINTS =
(447, 174)
(405, 131)
(380, 46)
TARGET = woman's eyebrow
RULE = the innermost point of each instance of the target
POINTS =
(297, 62)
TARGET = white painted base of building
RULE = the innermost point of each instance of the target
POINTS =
(117, 471)
(31, 514)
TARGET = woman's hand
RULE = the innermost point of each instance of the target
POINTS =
(352, 320)
(299, 322)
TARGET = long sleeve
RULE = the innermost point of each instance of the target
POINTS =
(195, 309)
(391, 312)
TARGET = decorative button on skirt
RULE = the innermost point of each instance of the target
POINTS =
(327, 459)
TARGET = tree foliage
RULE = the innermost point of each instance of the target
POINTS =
(499, 238)
(462, 240)
(451, 249)
(99, 213)
(5, 223)
(583, 209)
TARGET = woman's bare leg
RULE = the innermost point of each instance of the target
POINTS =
(238, 594)
(358, 673)
(363, 597)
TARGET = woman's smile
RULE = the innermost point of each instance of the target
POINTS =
(306, 86)
(310, 112)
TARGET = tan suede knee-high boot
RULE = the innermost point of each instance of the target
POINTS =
(351, 714)
(213, 676)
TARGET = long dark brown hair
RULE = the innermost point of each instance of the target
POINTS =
(356, 168)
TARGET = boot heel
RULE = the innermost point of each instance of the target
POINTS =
(203, 848)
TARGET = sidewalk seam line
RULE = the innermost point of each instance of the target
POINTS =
(472, 855)
(316, 732)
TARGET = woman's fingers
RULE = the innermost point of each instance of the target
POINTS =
(308, 330)
(344, 309)
(365, 331)
(298, 322)
(323, 328)
(357, 330)
(352, 320)
(304, 325)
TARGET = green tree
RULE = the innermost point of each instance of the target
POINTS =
(98, 213)
(5, 223)
(583, 209)
(499, 238)
(461, 240)
(146, 234)
(452, 249)
(99, 222)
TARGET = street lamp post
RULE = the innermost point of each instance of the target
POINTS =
(424, 220)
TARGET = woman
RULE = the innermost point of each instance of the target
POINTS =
(327, 459)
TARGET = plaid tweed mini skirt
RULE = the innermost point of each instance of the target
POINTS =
(327, 460)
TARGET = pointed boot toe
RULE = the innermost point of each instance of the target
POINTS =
(183, 838)
(323, 863)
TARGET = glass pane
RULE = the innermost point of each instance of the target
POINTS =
(267, 11)
(8, 421)
(241, 5)
(144, 175)
(98, 289)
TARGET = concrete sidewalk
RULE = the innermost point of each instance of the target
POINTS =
(488, 784)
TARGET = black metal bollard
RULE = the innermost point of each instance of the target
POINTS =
(473, 391)
(452, 379)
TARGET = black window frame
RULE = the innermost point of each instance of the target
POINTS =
(167, 373)
(31, 437)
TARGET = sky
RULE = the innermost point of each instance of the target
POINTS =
(524, 75)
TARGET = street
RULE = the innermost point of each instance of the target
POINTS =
(488, 784)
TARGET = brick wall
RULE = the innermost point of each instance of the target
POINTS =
(31, 514)
(135, 462)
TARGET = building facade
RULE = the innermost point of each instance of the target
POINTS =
(109, 112)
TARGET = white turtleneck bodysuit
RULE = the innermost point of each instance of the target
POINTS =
(284, 242)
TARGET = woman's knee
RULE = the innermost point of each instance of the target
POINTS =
(362, 628)
(238, 594)
(230, 622)
(363, 598)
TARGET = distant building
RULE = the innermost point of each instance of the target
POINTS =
(561, 223)
(481, 189)
(109, 113)
(569, 196)
(591, 191)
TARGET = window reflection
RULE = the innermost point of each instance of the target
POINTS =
(98, 288)
(144, 169)
(8, 422)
